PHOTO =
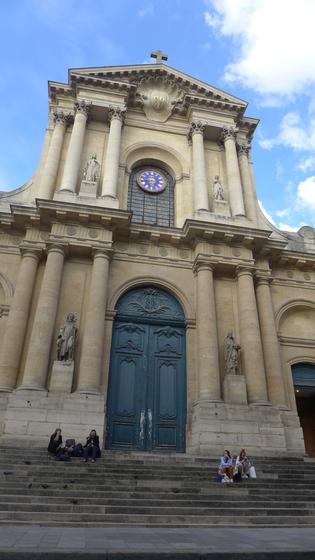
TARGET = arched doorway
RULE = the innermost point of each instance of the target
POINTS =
(304, 387)
(146, 403)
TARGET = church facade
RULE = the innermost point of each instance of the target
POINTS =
(143, 293)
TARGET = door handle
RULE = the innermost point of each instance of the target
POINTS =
(142, 423)
(150, 423)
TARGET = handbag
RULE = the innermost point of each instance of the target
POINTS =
(252, 472)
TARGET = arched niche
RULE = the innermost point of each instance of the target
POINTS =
(296, 319)
(158, 154)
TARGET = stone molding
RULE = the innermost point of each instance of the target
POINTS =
(298, 303)
(4, 310)
(7, 286)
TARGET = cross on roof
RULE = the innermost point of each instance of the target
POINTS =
(159, 55)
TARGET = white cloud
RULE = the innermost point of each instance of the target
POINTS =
(283, 213)
(286, 212)
(293, 134)
(274, 51)
(268, 216)
(306, 193)
(307, 164)
(286, 227)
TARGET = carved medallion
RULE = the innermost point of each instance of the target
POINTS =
(159, 97)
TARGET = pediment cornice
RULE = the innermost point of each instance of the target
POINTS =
(126, 80)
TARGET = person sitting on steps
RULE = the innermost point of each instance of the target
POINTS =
(242, 464)
(226, 467)
(92, 447)
(55, 442)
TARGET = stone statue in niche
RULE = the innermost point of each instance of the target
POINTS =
(231, 355)
(218, 191)
(91, 171)
(66, 339)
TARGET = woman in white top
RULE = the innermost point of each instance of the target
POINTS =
(242, 464)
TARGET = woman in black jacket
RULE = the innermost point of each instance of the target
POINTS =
(92, 447)
(55, 442)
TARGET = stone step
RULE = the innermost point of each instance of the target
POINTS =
(60, 518)
(123, 489)
(170, 508)
(160, 502)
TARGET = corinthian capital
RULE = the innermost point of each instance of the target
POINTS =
(82, 107)
(117, 113)
(228, 132)
(61, 118)
(196, 127)
(243, 149)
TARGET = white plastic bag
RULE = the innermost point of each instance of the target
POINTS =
(252, 472)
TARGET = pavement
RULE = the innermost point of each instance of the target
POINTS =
(30, 543)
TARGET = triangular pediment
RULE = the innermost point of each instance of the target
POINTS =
(133, 74)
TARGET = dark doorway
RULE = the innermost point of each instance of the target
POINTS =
(146, 405)
(304, 387)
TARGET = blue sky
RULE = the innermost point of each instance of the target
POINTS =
(260, 50)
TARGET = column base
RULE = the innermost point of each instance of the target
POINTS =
(6, 389)
(87, 392)
(30, 388)
(203, 214)
(65, 196)
(110, 201)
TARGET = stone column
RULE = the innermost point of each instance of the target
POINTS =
(207, 337)
(251, 348)
(73, 160)
(37, 360)
(111, 167)
(201, 198)
(12, 342)
(233, 172)
(94, 328)
(50, 170)
(270, 343)
(249, 195)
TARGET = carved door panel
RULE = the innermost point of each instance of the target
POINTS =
(168, 395)
(127, 391)
(147, 393)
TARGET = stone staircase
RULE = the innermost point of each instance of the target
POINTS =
(148, 490)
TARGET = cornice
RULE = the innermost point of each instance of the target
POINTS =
(126, 80)
(225, 232)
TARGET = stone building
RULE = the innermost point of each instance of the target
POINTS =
(143, 293)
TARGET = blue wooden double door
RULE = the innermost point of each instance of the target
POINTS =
(146, 405)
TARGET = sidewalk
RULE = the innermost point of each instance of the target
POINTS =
(26, 543)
